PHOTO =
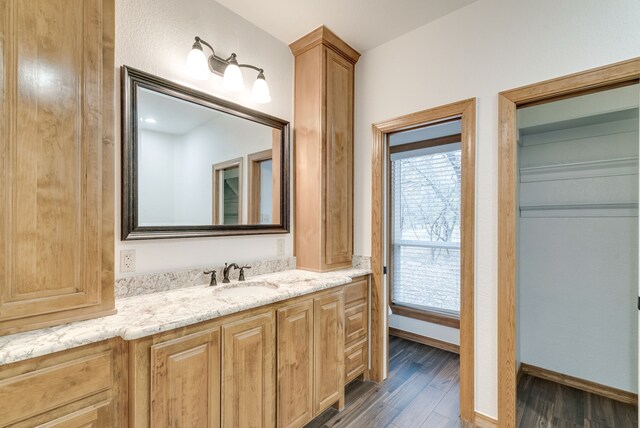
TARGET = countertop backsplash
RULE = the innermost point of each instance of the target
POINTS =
(361, 262)
(138, 285)
(145, 315)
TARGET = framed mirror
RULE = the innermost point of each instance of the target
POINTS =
(196, 165)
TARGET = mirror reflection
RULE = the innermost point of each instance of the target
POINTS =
(199, 166)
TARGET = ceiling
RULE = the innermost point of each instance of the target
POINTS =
(364, 24)
(171, 115)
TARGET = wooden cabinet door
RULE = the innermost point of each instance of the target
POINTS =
(56, 161)
(328, 320)
(185, 381)
(339, 159)
(248, 372)
(295, 364)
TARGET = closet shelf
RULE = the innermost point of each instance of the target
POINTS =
(608, 209)
(592, 169)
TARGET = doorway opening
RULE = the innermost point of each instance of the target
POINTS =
(577, 260)
(423, 202)
(568, 258)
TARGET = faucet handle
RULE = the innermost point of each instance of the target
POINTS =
(213, 277)
(242, 268)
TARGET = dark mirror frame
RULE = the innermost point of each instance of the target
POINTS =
(132, 79)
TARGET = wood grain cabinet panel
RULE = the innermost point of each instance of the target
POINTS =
(328, 327)
(89, 417)
(295, 364)
(339, 159)
(52, 387)
(356, 292)
(356, 329)
(56, 161)
(248, 372)
(81, 387)
(323, 138)
(356, 323)
(185, 381)
(355, 360)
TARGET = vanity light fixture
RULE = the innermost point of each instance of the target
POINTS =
(200, 67)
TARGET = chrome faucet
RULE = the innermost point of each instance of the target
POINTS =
(225, 272)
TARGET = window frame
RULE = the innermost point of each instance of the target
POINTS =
(423, 313)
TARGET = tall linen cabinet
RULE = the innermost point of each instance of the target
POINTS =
(56, 162)
(323, 145)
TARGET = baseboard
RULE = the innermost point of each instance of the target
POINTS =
(484, 421)
(519, 374)
(581, 384)
(445, 346)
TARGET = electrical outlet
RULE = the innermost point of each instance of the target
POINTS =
(127, 261)
(280, 247)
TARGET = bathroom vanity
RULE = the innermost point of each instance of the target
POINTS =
(276, 350)
(75, 350)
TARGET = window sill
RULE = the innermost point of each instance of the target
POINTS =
(425, 315)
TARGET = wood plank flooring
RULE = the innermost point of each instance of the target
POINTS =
(423, 391)
(542, 403)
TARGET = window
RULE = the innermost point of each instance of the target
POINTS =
(425, 230)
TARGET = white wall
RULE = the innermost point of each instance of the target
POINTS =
(478, 51)
(155, 178)
(155, 36)
(214, 142)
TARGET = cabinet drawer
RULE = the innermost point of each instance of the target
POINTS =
(355, 323)
(49, 388)
(356, 292)
(355, 360)
(83, 418)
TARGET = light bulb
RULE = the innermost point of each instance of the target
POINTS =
(260, 91)
(233, 77)
(197, 64)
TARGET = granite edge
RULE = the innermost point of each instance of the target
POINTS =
(97, 329)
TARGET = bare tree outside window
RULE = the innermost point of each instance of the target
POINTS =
(426, 230)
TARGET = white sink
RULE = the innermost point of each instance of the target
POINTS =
(246, 289)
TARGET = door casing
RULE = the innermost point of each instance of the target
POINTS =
(466, 111)
(508, 101)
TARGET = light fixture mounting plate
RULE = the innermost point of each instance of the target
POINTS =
(216, 65)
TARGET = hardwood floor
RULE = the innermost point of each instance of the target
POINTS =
(423, 391)
(542, 403)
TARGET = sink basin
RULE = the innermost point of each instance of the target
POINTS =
(246, 289)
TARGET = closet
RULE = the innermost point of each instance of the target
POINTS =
(578, 240)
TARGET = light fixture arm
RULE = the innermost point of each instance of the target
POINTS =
(218, 64)
(253, 67)
(200, 41)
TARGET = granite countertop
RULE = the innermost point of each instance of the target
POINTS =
(148, 314)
